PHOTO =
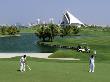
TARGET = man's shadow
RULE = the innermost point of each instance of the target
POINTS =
(18, 70)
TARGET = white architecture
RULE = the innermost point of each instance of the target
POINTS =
(69, 19)
(51, 20)
(38, 21)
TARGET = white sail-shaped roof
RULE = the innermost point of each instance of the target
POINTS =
(68, 18)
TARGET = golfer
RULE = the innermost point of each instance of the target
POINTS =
(22, 63)
(91, 64)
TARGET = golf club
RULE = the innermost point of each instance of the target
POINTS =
(28, 67)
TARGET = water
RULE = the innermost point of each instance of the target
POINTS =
(24, 43)
(27, 42)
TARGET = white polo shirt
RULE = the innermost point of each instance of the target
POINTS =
(22, 60)
(92, 60)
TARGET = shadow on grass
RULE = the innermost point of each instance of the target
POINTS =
(18, 70)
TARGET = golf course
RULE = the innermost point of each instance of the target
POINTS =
(52, 71)
(54, 41)
(46, 70)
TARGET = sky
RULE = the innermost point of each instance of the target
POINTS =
(27, 11)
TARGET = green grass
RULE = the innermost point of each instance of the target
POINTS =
(52, 71)
(96, 40)
(64, 54)
(70, 54)
(26, 30)
(84, 57)
(64, 71)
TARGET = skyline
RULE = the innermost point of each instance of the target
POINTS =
(24, 12)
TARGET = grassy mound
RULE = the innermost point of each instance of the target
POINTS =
(69, 54)
(62, 54)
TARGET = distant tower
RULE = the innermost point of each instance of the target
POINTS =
(51, 20)
(38, 21)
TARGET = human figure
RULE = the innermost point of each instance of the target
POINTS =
(78, 47)
(22, 63)
(91, 64)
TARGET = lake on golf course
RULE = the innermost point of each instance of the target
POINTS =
(27, 42)
(24, 43)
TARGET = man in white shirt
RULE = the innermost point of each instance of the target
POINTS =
(91, 64)
(22, 63)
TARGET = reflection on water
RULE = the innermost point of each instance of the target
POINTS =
(25, 43)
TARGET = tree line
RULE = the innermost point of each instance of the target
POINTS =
(47, 32)
(9, 30)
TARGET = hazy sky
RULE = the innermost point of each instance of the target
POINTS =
(25, 11)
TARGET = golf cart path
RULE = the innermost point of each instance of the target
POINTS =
(36, 55)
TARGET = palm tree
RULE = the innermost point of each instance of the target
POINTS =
(54, 31)
(47, 32)
(69, 30)
(12, 30)
(3, 30)
(40, 32)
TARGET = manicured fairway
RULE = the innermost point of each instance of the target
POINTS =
(95, 40)
(53, 72)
